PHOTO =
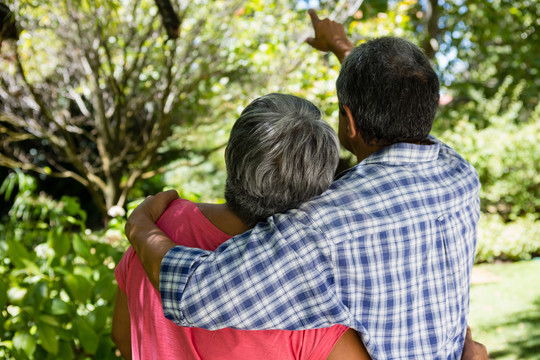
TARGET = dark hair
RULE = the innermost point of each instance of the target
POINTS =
(280, 154)
(391, 89)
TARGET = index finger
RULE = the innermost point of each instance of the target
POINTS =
(313, 15)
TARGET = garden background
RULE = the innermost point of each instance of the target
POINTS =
(105, 101)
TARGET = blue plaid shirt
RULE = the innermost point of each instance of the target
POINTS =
(387, 250)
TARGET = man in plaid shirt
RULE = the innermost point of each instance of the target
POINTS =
(387, 250)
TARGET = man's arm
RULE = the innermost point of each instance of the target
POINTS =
(150, 243)
(273, 277)
(329, 36)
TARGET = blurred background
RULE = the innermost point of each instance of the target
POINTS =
(105, 101)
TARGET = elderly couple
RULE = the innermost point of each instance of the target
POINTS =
(298, 265)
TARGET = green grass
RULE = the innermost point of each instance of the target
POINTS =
(505, 314)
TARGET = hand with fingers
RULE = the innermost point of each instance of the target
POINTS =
(473, 350)
(148, 212)
(329, 36)
(150, 243)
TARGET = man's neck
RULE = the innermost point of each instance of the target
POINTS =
(362, 150)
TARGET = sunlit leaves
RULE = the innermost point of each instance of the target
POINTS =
(495, 39)
(47, 337)
(503, 148)
(88, 337)
(58, 286)
(24, 342)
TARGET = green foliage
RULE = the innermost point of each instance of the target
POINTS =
(279, 61)
(516, 240)
(491, 40)
(504, 149)
(57, 282)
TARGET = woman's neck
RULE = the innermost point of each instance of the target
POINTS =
(223, 218)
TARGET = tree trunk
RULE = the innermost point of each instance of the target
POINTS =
(431, 29)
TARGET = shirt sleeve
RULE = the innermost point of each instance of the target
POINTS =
(276, 276)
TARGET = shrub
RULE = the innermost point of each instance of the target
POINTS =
(516, 240)
(504, 149)
(57, 283)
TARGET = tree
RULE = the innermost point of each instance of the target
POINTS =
(92, 90)
(492, 74)
(98, 103)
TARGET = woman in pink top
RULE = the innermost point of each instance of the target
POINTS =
(280, 154)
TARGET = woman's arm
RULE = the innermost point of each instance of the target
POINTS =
(121, 325)
(349, 347)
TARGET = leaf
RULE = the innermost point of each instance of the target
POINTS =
(16, 253)
(87, 336)
(71, 204)
(31, 267)
(73, 208)
(24, 342)
(3, 294)
(105, 348)
(80, 246)
(48, 319)
(57, 307)
(37, 293)
(47, 337)
(59, 241)
(98, 318)
(105, 288)
(16, 294)
(79, 287)
(8, 185)
(65, 351)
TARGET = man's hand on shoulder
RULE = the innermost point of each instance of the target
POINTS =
(150, 243)
(148, 212)
(473, 350)
(329, 36)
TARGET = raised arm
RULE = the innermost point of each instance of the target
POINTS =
(150, 243)
(329, 36)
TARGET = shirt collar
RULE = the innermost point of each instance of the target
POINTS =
(403, 153)
(399, 154)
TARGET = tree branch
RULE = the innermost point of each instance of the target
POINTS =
(170, 19)
(430, 44)
(11, 163)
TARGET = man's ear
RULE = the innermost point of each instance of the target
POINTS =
(351, 127)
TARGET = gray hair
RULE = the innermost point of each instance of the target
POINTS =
(280, 153)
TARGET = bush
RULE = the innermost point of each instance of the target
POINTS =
(57, 284)
(516, 240)
(503, 147)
